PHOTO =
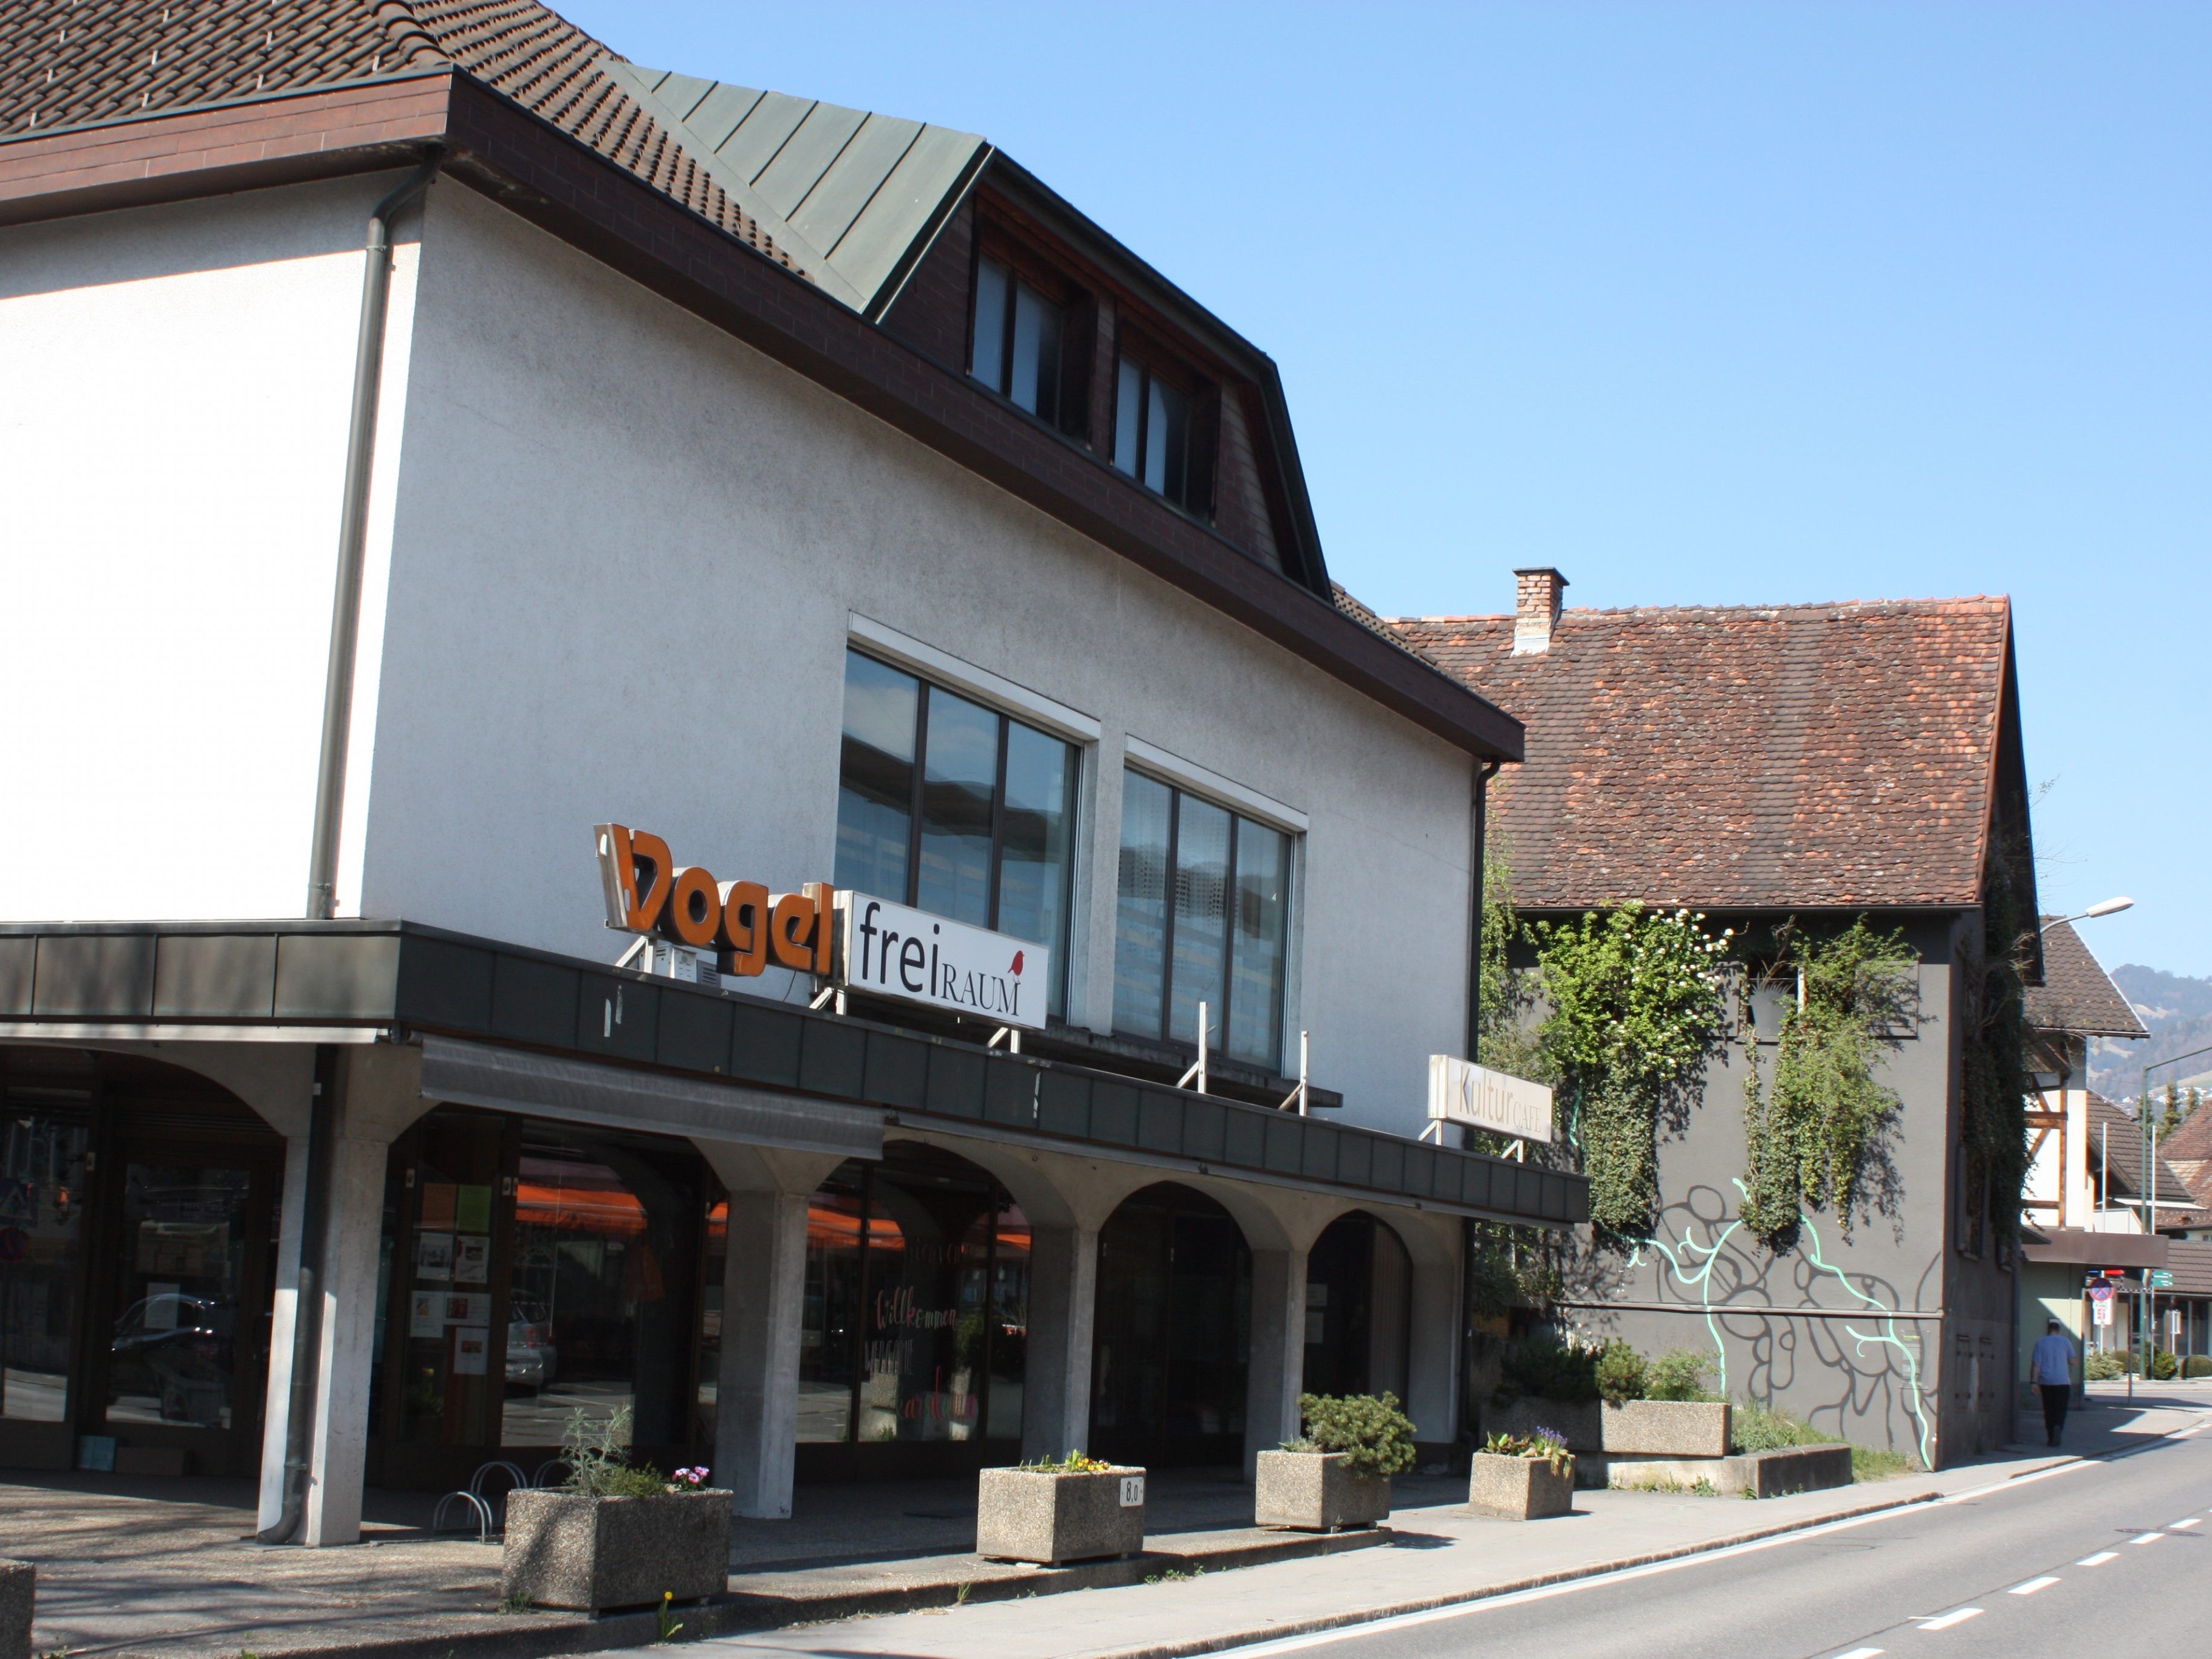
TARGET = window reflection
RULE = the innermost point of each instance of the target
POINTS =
(173, 1351)
(41, 1240)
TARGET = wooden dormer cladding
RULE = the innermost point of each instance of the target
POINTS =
(1233, 481)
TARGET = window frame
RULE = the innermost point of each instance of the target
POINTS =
(1064, 947)
(1024, 269)
(1293, 887)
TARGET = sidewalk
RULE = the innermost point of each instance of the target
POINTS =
(1439, 1556)
(159, 1568)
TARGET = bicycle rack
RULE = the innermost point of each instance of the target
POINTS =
(470, 1502)
(516, 1481)
(541, 1479)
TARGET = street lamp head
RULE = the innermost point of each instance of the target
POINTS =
(2111, 906)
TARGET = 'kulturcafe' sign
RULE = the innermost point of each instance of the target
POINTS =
(887, 950)
(1459, 1091)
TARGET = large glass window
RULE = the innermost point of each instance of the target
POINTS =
(42, 1169)
(1152, 431)
(956, 809)
(1203, 916)
(1018, 335)
(916, 1323)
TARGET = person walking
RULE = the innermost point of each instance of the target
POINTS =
(2053, 1363)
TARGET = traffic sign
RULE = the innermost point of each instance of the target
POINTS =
(2100, 1292)
(2161, 1279)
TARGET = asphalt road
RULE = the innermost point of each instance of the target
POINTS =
(2090, 1558)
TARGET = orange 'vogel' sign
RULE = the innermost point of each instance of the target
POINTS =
(648, 893)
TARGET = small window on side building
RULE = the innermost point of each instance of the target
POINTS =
(1018, 333)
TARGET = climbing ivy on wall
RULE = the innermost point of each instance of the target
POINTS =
(1811, 1131)
(1633, 1004)
(1997, 1077)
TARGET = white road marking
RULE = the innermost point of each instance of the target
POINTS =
(2183, 1526)
(1859, 1653)
(2099, 1559)
(2033, 1586)
(1958, 1617)
(2147, 1538)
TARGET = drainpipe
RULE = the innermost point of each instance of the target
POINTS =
(1482, 777)
(307, 1302)
(353, 535)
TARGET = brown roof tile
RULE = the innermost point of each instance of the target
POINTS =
(1745, 758)
(2076, 995)
(2113, 1125)
(105, 61)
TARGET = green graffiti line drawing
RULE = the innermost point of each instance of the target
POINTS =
(1699, 1280)
(1889, 1339)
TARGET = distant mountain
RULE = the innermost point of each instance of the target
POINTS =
(2178, 1013)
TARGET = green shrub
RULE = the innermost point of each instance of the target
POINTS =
(2197, 1364)
(596, 1452)
(1619, 1373)
(1678, 1373)
(2163, 1365)
(1543, 1369)
(1545, 1445)
(2105, 1365)
(1375, 1435)
(1754, 1427)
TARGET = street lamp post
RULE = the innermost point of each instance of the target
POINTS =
(2111, 906)
(2148, 1133)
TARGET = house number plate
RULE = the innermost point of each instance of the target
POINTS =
(1132, 1491)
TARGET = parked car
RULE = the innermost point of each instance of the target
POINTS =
(530, 1355)
(187, 1343)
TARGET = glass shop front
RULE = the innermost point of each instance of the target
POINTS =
(533, 1270)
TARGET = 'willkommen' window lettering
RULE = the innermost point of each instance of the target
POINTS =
(1203, 916)
(956, 809)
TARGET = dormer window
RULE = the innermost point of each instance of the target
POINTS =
(1018, 335)
(1152, 431)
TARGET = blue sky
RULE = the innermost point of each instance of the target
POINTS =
(1700, 303)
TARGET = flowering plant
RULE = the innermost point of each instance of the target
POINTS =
(1540, 1445)
(687, 1480)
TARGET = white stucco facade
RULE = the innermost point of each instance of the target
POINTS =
(616, 559)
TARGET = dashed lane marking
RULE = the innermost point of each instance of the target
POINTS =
(2183, 1526)
(2033, 1586)
(2147, 1538)
(1860, 1653)
(2099, 1559)
(1957, 1616)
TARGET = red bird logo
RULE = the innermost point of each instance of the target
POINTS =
(1016, 970)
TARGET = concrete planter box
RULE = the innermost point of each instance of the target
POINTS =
(1318, 1492)
(565, 1550)
(18, 1588)
(1637, 1428)
(1518, 1488)
(1033, 1515)
(1580, 1426)
(1760, 1474)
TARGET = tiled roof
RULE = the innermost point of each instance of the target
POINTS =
(104, 61)
(1749, 758)
(2193, 1140)
(2190, 1261)
(2076, 995)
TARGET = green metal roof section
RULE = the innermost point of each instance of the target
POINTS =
(857, 196)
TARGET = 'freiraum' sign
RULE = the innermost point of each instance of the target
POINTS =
(895, 952)
(888, 949)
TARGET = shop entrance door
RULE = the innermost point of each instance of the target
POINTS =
(180, 1350)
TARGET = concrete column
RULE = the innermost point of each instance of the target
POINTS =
(1277, 1370)
(378, 1095)
(1063, 1307)
(1432, 1351)
(763, 1288)
(756, 1396)
(284, 1311)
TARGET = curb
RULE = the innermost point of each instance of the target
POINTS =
(1295, 1627)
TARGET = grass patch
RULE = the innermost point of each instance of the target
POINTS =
(1879, 1463)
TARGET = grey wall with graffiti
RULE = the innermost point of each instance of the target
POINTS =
(1880, 1331)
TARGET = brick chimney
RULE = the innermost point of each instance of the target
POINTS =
(1540, 592)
